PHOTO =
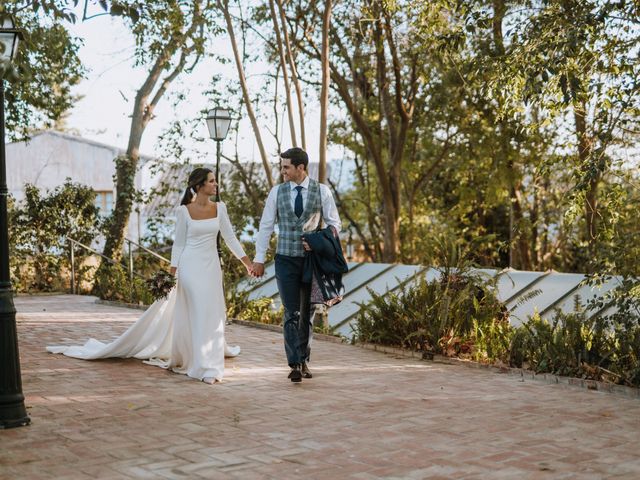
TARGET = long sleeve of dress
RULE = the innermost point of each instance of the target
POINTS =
(180, 235)
(227, 232)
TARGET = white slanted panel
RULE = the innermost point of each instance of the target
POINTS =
(551, 287)
(523, 292)
(510, 282)
(583, 293)
(341, 315)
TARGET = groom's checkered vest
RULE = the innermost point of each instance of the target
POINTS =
(290, 227)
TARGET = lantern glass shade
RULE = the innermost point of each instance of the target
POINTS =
(9, 37)
(218, 122)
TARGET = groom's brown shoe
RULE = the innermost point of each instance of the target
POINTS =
(305, 371)
(296, 374)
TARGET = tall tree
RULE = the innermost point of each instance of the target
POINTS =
(324, 92)
(284, 66)
(170, 39)
(374, 72)
(223, 6)
(294, 73)
(576, 58)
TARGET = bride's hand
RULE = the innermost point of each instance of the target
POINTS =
(247, 264)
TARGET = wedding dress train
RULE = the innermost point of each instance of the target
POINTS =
(185, 331)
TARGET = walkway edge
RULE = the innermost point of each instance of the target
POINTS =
(524, 374)
(623, 390)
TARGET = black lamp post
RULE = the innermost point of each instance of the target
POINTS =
(12, 410)
(218, 122)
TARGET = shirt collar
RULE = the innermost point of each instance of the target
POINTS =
(304, 184)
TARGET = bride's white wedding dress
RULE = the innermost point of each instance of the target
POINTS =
(185, 331)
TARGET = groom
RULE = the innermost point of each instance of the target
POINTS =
(297, 206)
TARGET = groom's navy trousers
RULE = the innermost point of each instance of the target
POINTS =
(295, 296)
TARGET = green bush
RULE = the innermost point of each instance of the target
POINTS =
(456, 315)
(39, 227)
(115, 285)
(579, 345)
(260, 310)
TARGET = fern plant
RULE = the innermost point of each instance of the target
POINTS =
(454, 315)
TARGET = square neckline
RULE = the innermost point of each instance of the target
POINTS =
(202, 219)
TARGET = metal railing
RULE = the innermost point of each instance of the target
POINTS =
(73, 243)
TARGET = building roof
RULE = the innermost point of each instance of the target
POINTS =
(79, 139)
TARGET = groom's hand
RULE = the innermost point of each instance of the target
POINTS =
(258, 269)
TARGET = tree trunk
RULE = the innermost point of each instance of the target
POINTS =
(585, 148)
(224, 7)
(294, 74)
(285, 74)
(145, 103)
(125, 175)
(524, 254)
(518, 243)
(324, 93)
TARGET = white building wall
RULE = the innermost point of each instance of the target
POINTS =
(50, 157)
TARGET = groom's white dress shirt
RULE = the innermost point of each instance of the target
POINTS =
(268, 220)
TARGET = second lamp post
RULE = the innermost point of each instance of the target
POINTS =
(218, 122)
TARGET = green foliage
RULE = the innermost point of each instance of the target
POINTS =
(115, 285)
(161, 27)
(40, 253)
(47, 67)
(456, 315)
(170, 40)
(259, 310)
(579, 345)
(459, 316)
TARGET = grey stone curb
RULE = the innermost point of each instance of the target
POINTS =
(630, 392)
(114, 303)
(39, 294)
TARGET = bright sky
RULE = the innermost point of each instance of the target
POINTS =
(109, 90)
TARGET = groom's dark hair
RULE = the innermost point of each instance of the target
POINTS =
(297, 156)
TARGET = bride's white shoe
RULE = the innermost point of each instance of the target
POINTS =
(231, 351)
(210, 380)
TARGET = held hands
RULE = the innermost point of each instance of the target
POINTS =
(247, 264)
(256, 270)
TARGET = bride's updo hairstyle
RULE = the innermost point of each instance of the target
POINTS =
(196, 180)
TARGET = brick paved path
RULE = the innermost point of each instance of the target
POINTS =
(365, 415)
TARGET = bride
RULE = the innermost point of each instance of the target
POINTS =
(185, 332)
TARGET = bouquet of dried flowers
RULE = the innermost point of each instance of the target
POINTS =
(161, 284)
